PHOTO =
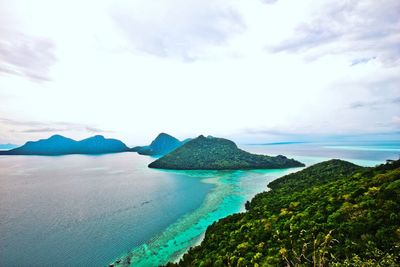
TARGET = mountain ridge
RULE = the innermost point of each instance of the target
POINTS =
(161, 145)
(7, 146)
(61, 145)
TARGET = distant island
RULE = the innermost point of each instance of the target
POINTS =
(60, 145)
(333, 213)
(162, 145)
(7, 146)
(211, 153)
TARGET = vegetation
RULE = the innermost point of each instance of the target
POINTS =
(60, 145)
(331, 214)
(163, 144)
(210, 153)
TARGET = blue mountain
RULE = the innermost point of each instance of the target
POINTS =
(7, 146)
(162, 145)
(60, 145)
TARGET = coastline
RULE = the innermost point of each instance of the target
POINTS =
(232, 189)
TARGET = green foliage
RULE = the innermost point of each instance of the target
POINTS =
(331, 214)
(210, 153)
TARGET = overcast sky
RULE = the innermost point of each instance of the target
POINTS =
(250, 70)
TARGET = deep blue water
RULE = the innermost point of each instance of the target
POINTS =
(81, 210)
(362, 152)
(86, 210)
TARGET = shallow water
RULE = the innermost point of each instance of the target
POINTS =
(91, 210)
(233, 189)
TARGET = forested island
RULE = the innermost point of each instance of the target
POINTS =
(60, 145)
(334, 213)
(211, 153)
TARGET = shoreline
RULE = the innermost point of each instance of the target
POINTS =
(223, 180)
(232, 190)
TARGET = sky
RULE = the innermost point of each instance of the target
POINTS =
(249, 70)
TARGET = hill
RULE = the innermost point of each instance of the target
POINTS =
(60, 145)
(210, 153)
(162, 145)
(7, 146)
(331, 214)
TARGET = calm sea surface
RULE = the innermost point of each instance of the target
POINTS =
(91, 210)
(86, 210)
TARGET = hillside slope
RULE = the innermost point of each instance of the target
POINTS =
(331, 214)
(210, 153)
(163, 144)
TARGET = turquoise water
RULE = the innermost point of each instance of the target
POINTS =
(86, 210)
(232, 189)
(92, 210)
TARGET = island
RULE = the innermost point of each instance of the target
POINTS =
(162, 145)
(211, 153)
(60, 145)
(7, 146)
(333, 213)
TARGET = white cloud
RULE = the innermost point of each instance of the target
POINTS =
(359, 28)
(122, 65)
(182, 29)
(270, 1)
(25, 55)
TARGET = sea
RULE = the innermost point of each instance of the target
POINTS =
(79, 210)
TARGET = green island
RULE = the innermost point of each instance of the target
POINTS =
(211, 153)
(333, 213)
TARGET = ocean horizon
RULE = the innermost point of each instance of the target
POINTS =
(80, 210)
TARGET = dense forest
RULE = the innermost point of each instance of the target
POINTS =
(331, 214)
(211, 153)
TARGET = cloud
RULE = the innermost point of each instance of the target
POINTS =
(365, 28)
(374, 104)
(269, 1)
(95, 130)
(396, 120)
(20, 123)
(182, 29)
(26, 56)
(44, 130)
(359, 61)
(49, 127)
(271, 131)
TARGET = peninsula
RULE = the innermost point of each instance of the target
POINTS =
(333, 213)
